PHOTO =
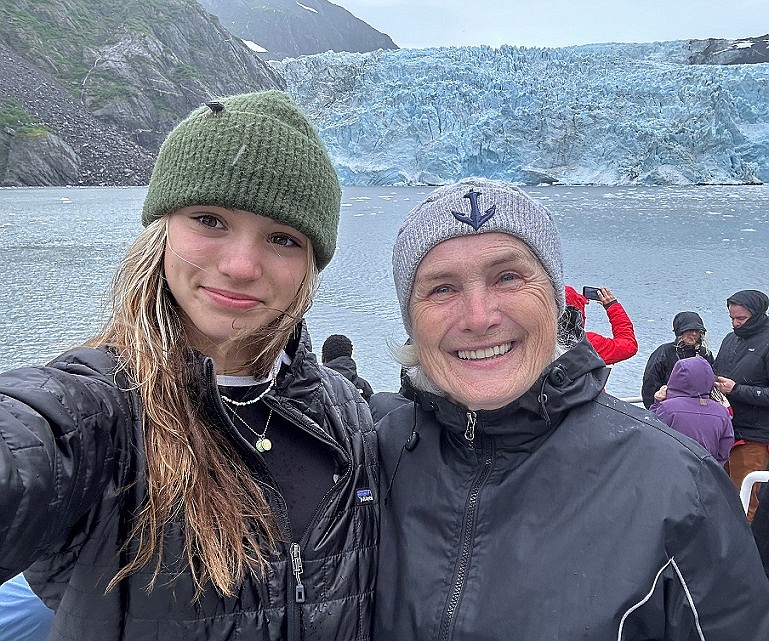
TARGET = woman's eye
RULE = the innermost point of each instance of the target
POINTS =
(285, 240)
(207, 220)
(442, 289)
(509, 277)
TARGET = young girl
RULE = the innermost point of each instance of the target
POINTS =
(192, 472)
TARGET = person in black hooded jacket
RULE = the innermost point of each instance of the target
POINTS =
(690, 341)
(336, 354)
(192, 472)
(520, 501)
(742, 374)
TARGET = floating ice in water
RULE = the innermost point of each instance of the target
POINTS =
(707, 271)
(346, 204)
(358, 215)
(64, 199)
(747, 229)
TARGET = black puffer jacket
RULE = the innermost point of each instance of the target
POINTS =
(744, 358)
(571, 515)
(661, 363)
(72, 443)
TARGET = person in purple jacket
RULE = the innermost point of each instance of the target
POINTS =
(685, 405)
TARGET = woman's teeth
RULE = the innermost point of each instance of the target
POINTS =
(487, 352)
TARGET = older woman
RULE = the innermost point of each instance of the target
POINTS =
(519, 500)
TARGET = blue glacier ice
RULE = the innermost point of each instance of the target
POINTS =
(611, 114)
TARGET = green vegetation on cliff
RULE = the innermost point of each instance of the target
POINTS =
(13, 117)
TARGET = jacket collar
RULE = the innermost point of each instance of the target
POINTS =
(576, 377)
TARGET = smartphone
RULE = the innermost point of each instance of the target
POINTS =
(591, 293)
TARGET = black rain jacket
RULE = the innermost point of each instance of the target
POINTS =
(347, 367)
(744, 358)
(70, 450)
(565, 515)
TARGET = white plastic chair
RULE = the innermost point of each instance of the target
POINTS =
(760, 476)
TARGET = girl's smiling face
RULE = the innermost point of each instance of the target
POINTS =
(231, 272)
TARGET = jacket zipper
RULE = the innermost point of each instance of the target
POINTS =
(468, 536)
(294, 618)
(293, 605)
(293, 613)
(470, 429)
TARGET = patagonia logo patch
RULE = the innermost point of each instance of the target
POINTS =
(364, 495)
(476, 218)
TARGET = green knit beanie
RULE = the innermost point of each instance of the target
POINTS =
(256, 152)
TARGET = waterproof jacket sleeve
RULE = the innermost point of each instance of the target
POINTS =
(623, 344)
(751, 394)
(61, 430)
(654, 376)
(714, 566)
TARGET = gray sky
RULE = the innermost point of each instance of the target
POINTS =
(557, 23)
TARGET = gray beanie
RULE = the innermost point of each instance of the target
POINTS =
(475, 206)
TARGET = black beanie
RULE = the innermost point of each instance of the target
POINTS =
(684, 321)
(335, 346)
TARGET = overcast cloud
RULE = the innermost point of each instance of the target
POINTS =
(557, 23)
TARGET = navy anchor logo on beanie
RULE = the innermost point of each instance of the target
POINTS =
(475, 219)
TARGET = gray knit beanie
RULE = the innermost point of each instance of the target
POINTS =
(256, 152)
(474, 206)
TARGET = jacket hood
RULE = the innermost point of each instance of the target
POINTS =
(345, 365)
(576, 377)
(577, 300)
(684, 321)
(756, 303)
(691, 377)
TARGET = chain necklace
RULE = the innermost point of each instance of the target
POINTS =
(261, 443)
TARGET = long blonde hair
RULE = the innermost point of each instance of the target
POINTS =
(194, 474)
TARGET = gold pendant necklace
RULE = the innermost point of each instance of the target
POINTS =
(261, 442)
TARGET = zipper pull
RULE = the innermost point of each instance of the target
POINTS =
(470, 430)
(296, 565)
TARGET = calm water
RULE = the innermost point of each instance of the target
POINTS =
(660, 250)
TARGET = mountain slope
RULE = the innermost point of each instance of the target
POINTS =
(289, 28)
(127, 70)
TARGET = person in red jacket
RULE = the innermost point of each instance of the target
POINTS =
(623, 344)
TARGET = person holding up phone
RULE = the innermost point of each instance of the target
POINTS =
(622, 344)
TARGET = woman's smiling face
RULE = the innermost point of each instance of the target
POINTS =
(484, 318)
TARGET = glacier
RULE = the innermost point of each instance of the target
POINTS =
(609, 114)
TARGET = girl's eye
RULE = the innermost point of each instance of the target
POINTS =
(285, 240)
(209, 220)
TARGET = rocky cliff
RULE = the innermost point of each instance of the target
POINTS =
(289, 28)
(717, 51)
(90, 87)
